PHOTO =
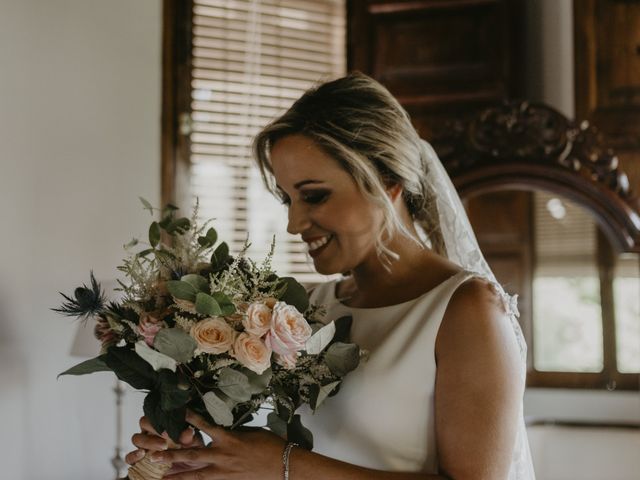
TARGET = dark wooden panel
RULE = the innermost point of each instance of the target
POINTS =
(434, 52)
(607, 53)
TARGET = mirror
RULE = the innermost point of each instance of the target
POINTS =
(572, 284)
(560, 226)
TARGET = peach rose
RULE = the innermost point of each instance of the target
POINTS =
(287, 361)
(148, 327)
(213, 335)
(289, 330)
(252, 352)
(257, 321)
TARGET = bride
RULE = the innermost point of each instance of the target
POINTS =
(440, 396)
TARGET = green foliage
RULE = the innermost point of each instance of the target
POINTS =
(154, 234)
(171, 421)
(182, 290)
(175, 343)
(198, 282)
(294, 294)
(131, 368)
(342, 358)
(207, 305)
(276, 424)
(234, 384)
(297, 433)
(154, 358)
(88, 366)
(218, 409)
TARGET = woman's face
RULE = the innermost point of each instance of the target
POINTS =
(326, 208)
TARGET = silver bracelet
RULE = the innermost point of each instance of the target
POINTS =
(285, 459)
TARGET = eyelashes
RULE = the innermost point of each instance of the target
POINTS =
(311, 197)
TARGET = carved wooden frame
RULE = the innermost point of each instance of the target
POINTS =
(521, 145)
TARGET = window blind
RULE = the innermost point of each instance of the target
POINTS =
(251, 61)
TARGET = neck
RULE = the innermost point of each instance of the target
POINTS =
(373, 281)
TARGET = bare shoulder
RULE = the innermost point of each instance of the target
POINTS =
(476, 318)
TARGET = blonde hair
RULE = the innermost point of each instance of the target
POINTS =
(360, 124)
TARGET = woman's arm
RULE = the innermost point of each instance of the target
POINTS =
(479, 385)
(256, 455)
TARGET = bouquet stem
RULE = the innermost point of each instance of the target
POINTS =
(145, 469)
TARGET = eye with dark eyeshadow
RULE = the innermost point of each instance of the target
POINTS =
(314, 197)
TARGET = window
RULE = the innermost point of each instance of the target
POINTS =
(238, 64)
(586, 303)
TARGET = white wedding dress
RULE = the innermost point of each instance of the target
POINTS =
(383, 417)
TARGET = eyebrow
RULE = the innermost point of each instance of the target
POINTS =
(303, 183)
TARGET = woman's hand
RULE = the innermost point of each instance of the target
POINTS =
(238, 455)
(150, 441)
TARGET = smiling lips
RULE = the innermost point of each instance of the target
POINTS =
(316, 245)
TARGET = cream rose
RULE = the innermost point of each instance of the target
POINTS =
(148, 327)
(257, 321)
(213, 335)
(289, 330)
(252, 352)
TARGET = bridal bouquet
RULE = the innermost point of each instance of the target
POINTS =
(199, 329)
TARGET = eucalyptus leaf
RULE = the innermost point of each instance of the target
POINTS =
(175, 343)
(207, 305)
(196, 281)
(323, 392)
(218, 409)
(321, 339)
(234, 384)
(154, 234)
(276, 424)
(147, 205)
(182, 290)
(88, 366)
(226, 305)
(295, 294)
(258, 383)
(156, 359)
(342, 358)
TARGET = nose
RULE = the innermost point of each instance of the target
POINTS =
(298, 219)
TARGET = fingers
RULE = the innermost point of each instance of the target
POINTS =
(184, 455)
(134, 457)
(146, 441)
(201, 424)
(145, 426)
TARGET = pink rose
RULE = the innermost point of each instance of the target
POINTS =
(148, 327)
(257, 321)
(289, 330)
(252, 352)
(213, 335)
(287, 361)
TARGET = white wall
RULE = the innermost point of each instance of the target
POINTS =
(79, 141)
